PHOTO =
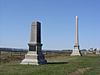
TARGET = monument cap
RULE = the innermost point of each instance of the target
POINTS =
(35, 22)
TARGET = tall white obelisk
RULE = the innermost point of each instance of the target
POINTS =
(76, 50)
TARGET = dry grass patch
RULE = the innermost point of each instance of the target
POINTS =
(79, 71)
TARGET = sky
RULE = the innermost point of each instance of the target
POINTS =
(57, 18)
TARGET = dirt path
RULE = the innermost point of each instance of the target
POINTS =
(79, 71)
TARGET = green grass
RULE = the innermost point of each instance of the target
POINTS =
(74, 63)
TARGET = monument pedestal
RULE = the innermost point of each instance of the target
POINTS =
(33, 58)
(76, 52)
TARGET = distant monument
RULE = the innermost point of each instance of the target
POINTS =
(97, 51)
(76, 51)
(34, 55)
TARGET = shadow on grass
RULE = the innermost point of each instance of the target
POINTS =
(57, 62)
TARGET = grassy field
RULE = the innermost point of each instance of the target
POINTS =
(58, 65)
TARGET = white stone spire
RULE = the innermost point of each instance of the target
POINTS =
(76, 51)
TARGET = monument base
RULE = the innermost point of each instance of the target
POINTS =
(76, 52)
(97, 52)
(33, 58)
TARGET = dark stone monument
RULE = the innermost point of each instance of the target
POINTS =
(34, 55)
